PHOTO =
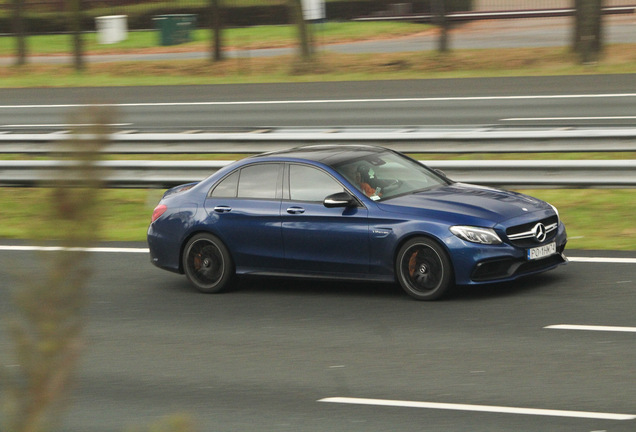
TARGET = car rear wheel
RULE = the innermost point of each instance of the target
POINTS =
(423, 269)
(208, 264)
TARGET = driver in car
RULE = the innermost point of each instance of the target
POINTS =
(361, 179)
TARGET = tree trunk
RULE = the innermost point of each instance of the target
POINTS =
(216, 24)
(19, 32)
(439, 13)
(76, 33)
(588, 41)
(304, 38)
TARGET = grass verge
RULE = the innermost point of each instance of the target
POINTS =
(325, 66)
(126, 214)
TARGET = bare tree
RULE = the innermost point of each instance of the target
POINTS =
(588, 40)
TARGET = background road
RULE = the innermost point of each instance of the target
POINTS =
(260, 358)
(590, 100)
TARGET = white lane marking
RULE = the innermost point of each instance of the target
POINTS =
(602, 260)
(568, 118)
(331, 101)
(479, 408)
(145, 250)
(591, 328)
(73, 249)
(61, 125)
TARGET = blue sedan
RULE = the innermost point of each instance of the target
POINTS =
(351, 213)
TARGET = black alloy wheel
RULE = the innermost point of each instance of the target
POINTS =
(208, 264)
(423, 269)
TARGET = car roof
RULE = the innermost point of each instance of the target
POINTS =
(327, 154)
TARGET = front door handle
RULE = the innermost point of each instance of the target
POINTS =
(222, 209)
(295, 210)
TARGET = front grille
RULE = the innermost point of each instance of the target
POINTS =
(524, 235)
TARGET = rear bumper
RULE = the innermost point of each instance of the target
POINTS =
(164, 252)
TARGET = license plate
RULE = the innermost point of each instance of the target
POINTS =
(542, 251)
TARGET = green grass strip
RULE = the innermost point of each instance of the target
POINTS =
(595, 218)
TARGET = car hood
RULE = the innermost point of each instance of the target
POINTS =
(458, 202)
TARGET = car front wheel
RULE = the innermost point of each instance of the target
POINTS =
(208, 264)
(423, 269)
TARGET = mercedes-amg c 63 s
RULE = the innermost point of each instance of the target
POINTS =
(351, 213)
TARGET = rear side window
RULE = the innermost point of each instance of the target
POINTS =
(227, 188)
(254, 181)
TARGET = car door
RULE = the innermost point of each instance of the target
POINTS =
(244, 211)
(317, 239)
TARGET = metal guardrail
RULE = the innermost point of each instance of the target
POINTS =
(406, 139)
(509, 173)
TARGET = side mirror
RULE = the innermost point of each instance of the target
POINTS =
(340, 199)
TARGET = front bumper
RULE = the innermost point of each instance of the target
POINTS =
(507, 268)
(478, 264)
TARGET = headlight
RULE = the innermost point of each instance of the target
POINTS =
(556, 211)
(476, 234)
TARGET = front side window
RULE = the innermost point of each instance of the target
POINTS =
(311, 184)
(385, 175)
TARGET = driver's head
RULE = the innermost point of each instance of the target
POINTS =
(362, 174)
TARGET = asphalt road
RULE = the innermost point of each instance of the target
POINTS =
(589, 100)
(262, 357)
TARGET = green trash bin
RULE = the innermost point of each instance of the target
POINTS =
(175, 29)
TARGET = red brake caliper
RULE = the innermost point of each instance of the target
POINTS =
(413, 264)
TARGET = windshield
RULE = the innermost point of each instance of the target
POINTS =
(386, 175)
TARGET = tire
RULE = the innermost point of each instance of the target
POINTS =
(207, 264)
(423, 269)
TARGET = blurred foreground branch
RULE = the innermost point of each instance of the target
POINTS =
(46, 328)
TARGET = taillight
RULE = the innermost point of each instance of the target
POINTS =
(158, 211)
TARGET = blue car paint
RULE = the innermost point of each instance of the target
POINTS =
(359, 242)
(308, 249)
(252, 226)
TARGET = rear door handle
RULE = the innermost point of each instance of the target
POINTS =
(295, 210)
(222, 209)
